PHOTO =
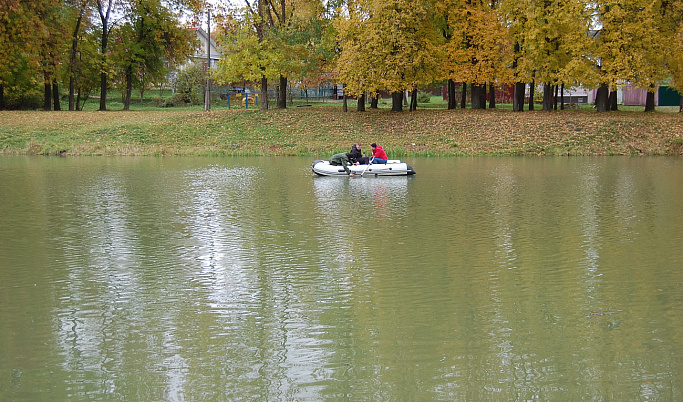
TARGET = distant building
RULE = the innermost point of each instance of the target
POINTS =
(199, 54)
(668, 96)
(637, 96)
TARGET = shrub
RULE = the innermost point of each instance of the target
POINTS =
(423, 97)
(189, 87)
(25, 99)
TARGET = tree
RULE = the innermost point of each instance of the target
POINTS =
(148, 44)
(272, 39)
(51, 35)
(105, 9)
(17, 47)
(80, 10)
(674, 16)
(515, 17)
(628, 47)
(303, 36)
(479, 50)
(354, 65)
(550, 39)
(387, 44)
(248, 52)
(313, 51)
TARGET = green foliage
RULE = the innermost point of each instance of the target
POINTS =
(189, 87)
(367, 45)
(24, 99)
(147, 44)
(423, 97)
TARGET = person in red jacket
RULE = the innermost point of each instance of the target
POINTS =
(378, 154)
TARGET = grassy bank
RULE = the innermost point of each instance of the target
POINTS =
(322, 130)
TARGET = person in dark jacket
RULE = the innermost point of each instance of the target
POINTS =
(356, 156)
(341, 159)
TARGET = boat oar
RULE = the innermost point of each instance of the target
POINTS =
(366, 168)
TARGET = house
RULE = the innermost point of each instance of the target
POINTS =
(200, 51)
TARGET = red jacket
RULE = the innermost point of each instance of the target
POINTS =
(378, 152)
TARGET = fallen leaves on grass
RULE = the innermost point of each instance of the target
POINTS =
(325, 130)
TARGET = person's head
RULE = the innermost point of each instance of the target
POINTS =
(373, 145)
(358, 145)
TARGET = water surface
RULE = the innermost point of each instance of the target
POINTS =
(253, 279)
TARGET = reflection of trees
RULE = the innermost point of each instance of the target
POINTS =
(502, 198)
(243, 281)
(112, 266)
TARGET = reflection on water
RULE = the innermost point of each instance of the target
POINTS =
(253, 279)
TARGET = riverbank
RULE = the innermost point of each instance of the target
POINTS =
(322, 131)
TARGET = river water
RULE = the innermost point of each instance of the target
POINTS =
(253, 279)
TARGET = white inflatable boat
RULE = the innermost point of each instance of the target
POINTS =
(393, 167)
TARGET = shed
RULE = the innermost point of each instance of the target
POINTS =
(669, 96)
(637, 96)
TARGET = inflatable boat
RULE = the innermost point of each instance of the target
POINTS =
(393, 167)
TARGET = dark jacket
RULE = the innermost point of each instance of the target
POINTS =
(357, 156)
(341, 159)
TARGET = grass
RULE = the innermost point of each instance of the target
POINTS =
(323, 129)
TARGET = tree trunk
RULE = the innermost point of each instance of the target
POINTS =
(518, 89)
(463, 100)
(103, 74)
(602, 98)
(47, 99)
(373, 102)
(680, 102)
(72, 57)
(547, 97)
(264, 93)
(72, 93)
(478, 96)
(650, 100)
(55, 95)
(105, 14)
(482, 96)
(129, 87)
(492, 96)
(613, 101)
(361, 104)
(103, 91)
(518, 97)
(397, 101)
(451, 94)
(532, 88)
(557, 87)
(562, 97)
(413, 100)
(345, 104)
(2, 97)
(282, 94)
(474, 96)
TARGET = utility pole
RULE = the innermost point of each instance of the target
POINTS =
(207, 93)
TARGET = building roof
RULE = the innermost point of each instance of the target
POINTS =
(200, 52)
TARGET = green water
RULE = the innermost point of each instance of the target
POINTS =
(252, 279)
